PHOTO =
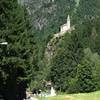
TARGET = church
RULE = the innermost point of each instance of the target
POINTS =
(64, 28)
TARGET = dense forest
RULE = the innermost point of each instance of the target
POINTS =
(27, 26)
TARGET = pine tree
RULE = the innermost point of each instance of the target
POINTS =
(16, 57)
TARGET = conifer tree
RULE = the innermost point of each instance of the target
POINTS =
(16, 57)
(88, 72)
(64, 64)
(85, 80)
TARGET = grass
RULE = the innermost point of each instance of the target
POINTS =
(79, 96)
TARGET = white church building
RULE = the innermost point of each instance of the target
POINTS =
(64, 28)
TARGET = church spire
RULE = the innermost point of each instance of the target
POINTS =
(68, 22)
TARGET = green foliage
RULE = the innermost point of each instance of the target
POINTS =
(85, 12)
(72, 69)
(47, 18)
(65, 61)
(87, 75)
(16, 58)
(68, 60)
(87, 17)
(59, 71)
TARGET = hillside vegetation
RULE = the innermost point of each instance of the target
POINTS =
(74, 66)
(26, 28)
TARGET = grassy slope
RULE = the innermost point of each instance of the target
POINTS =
(81, 96)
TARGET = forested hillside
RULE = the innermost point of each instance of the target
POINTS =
(27, 26)
(70, 55)
(47, 16)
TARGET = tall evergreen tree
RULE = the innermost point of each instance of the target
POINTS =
(16, 57)
(87, 73)
(64, 64)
